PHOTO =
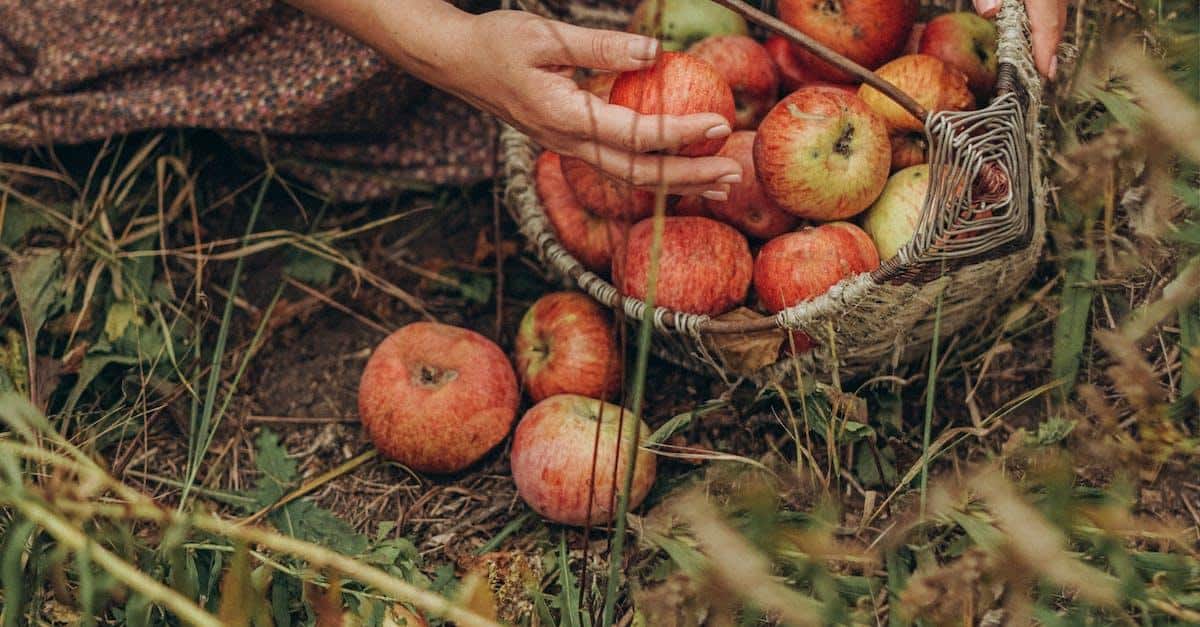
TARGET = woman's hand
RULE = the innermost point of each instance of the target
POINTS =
(1047, 18)
(517, 66)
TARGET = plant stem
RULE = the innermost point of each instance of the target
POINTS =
(930, 389)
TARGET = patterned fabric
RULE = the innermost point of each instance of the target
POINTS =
(334, 113)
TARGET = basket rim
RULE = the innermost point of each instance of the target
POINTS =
(698, 325)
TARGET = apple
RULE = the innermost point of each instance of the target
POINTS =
(792, 74)
(678, 84)
(689, 206)
(704, 266)
(588, 237)
(893, 219)
(681, 23)
(748, 209)
(822, 154)
(603, 195)
(599, 84)
(909, 149)
(932, 83)
(869, 32)
(804, 264)
(566, 345)
(436, 398)
(564, 472)
(967, 43)
(748, 69)
(914, 38)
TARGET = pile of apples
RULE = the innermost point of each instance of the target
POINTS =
(834, 174)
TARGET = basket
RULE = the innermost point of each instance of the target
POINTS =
(974, 246)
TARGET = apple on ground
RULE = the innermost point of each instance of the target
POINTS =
(588, 237)
(932, 83)
(908, 149)
(869, 32)
(603, 195)
(566, 345)
(678, 84)
(822, 154)
(681, 23)
(801, 265)
(565, 472)
(747, 207)
(892, 220)
(966, 42)
(436, 398)
(748, 69)
(704, 266)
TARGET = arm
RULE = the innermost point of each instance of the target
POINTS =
(510, 63)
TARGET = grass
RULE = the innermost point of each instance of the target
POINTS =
(1038, 470)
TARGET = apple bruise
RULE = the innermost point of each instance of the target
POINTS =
(553, 463)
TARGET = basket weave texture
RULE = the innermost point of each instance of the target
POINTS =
(971, 251)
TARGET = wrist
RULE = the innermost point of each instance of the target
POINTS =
(426, 38)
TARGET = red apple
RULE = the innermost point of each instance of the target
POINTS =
(893, 219)
(967, 43)
(868, 32)
(792, 74)
(677, 84)
(689, 206)
(935, 85)
(822, 154)
(804, 264)
(561, 470)
(566, 345)
(604, 195)
(748, 208)
(704, 266)
(681, 23)
(914, 38)
(748, 69)
(908, 149)
(436, 398)
(588, 237)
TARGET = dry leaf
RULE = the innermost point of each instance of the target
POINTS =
(746, 352)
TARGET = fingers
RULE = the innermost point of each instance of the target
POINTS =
(987, 8)
(1046, 21)
(625, 128)
(567, 44)
(682, 175)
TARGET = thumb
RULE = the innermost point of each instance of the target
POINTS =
(987, 8)
(600, 49)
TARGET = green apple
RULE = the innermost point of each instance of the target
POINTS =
(681, 23)
(893, 219)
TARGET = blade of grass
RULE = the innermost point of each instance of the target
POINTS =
(1070, 332)
(930, 393)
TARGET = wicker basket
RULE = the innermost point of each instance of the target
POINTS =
(972, 250)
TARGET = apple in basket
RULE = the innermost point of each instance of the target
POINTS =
(792, 73)
(909, 148)
(747, 208)
(704, 266)
(436, 398)
(748, 69)
(822, 154)
(588, 237)
(967, 43)
(566, 345)
(868, 32)
(932, 83)
(681, 23)
(565, 473)
(893, 219)
(914, 38)
(689, 206)
(603, 195)
(801, 265)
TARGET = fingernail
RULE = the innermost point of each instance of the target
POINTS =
(719, 131)
(987, 7)
(730, 179)
(717, 195)
(1053, 66)
(643, 49)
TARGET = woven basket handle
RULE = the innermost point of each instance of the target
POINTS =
(825, 54)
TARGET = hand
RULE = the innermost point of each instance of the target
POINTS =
(517, 67)
(1047, 18)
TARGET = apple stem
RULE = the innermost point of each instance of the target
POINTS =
(825, 54)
